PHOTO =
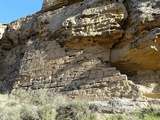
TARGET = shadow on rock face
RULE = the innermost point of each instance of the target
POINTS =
(9, 69)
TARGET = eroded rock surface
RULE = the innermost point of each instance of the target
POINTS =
(120, 106)
(50, 5)
(123, 106)
(82, 47)
(139, 48)
(91, 22)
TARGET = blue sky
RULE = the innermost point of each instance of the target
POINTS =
(11, 10)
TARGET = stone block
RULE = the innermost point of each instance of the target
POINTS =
(101, 65)
(53, 85)
(111, 68)
(93, 71)
(105, 79)
(87, 64)
(111, 78)
(108, 73)
(84, 75)
(116, 73)
(80, 58)
(88, 55)
(99, 75)
(117, 78)
(103, 84)
(60, 84)
(46, 86)
(79, 69)
(92, 76)
(70, 78)
(86, 86)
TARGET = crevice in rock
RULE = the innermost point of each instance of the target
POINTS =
(123, 26)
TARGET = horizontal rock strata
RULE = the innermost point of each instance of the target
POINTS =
(89, 49)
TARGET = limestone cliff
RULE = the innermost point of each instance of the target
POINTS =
(75, 47)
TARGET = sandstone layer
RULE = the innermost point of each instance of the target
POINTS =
(88, 49)
(139, 47)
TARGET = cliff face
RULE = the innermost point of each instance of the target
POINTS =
(139, 47)
(75, 47)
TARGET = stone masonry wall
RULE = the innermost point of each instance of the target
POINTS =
(78, 72)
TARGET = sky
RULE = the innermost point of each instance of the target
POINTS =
(11, 10)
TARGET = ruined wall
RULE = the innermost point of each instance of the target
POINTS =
(76, 71)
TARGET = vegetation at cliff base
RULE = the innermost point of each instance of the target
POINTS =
(39, 105)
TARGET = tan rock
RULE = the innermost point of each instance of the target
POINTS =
(50, 5)
(139, 48)
(97, 22)
(2, 30)
(78, 47)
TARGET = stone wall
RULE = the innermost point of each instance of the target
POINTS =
(76, 71)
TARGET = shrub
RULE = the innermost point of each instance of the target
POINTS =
(9, 113)
(28, 112)
(46, 112)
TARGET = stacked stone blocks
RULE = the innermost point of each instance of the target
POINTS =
(81, 72)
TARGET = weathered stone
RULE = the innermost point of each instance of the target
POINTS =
(139, 48)
(2, 30)
(50, 5)
(98, 23)
(75, 47)
(119, 106)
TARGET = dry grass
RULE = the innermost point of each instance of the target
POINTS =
(41, 106)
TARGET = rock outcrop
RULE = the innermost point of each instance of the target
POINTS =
(84, 49)
(50, 5)
(120, 106)
(139, 47)
(123, 106)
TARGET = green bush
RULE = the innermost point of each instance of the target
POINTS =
(28, 112)
(9, 113)
(11, 103)
(46, 112)
(149, 115)
(75, 111)
(40, 105)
